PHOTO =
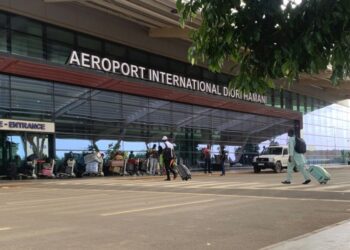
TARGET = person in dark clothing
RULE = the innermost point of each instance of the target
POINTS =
(222, 160)
(169, 156)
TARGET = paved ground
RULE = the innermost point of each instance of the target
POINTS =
(241, 210)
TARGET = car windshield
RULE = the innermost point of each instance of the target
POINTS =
(272, 151)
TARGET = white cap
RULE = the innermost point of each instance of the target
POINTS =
(164, 138)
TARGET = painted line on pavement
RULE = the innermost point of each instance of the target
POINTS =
(234, 195)
(5, 228)
(327, 187)
(235, 185)
(157, 207)
(53, 199)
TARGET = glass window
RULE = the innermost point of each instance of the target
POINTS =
(58, 52)
(31, 85)
(4, 93)
(308, 104)
(3, 20)
(194, 72)
(115, 50)
(224, 79)
(72, 108)
(27, 45)
(316, 104)
(33, 104)
(138, 57)
(177, 67)
(60, 35)
(31, 98)
(26, 25)
(4, 100)
(90, 43)
(4, 81)
(269, 94)
(277, 98)
(106, 112)
(282, 98)
(209, 76)
(106, 96)
(303, 105)
(296, 102)
(288, 100)
(71, 101)
(70, 90)
(158, 62)
(3, 40)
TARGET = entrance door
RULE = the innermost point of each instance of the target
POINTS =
(11, 150)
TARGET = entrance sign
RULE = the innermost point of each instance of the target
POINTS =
(86, 60)
(27, 126)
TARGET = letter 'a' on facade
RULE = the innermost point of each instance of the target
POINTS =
(125, 80)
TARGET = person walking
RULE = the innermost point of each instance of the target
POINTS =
(222, 159)
(168, 157)
(207, 159)
(153, 160)
(161, 161)
(295, 160)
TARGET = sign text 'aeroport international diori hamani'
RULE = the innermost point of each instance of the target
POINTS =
(130, 70)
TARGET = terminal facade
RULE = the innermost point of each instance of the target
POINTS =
(73, 74)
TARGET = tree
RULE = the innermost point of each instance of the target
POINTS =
(270, 39)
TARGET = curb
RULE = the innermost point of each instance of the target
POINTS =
(322, 242)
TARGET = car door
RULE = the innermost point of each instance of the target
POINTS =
(285, 157)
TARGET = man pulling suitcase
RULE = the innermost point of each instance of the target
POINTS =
(295, 159)
(168, 156)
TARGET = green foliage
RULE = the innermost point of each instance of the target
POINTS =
(93, 147)
(269, 42)
(112, 150)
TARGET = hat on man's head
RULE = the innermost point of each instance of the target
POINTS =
(164, 138)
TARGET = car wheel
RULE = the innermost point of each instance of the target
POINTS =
(278, 167)
(257, 169)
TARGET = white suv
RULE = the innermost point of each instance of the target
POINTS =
(274, 157)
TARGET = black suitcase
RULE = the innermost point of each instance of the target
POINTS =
(184, 172)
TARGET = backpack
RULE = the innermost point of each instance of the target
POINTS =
(300, 145)
(168, 153)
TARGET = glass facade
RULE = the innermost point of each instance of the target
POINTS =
(84, 116)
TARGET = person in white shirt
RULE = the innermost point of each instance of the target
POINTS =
(169, 157)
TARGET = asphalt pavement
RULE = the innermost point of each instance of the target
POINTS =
(241, 210)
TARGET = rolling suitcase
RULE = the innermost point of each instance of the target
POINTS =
(184, 172)
(320, 174)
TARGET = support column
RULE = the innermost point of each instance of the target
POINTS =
(52, 146)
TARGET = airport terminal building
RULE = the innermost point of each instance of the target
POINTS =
(73, 73)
